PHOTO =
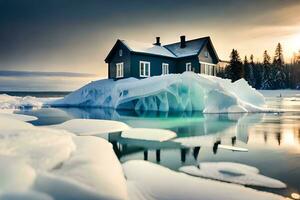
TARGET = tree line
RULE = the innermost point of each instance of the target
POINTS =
(268, 74)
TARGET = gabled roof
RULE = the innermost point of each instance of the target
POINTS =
(193, 47)
(148, 48)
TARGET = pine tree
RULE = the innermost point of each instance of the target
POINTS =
(235, 69)
(246, 69)
(280, 78)
(267, 78)
(251, 77)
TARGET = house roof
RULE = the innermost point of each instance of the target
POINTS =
(193, 47)
(147, 48)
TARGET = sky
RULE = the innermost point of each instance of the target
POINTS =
(58, 36)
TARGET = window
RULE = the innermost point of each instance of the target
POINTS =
(120, 70)
(165, 68)
(206, 54)
(188, 67)
(144, 69)
(120, 52)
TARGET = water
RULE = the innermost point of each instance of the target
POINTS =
(273, 139)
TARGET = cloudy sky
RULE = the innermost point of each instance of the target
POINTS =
(75, 36)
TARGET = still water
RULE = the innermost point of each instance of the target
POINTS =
(272, 139)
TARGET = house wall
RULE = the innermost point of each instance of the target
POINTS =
(181, 63)
(125, 58)
(155, 64)
(202, 56)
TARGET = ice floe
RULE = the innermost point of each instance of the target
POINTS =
(173, 92)
(148, 134)
(233, 173)
(92, 126)
(163, 183)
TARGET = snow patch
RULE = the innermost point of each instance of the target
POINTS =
(233, 173)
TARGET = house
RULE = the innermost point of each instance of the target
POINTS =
(140, 60)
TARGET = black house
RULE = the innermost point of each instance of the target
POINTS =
(140, 60)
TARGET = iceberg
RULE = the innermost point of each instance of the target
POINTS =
(172, 92)
(232, 173)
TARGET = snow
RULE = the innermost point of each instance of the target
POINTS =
(148, 134)
(233, 173)
(14, 102)
(163, 183)
(95, 165)
(173, 92)
(15, 174)
(148, 48)
(25, 118)
(51, 163)
(92, 126)
(282, 93)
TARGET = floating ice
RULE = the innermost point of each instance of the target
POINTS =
(173, 92)
(233, 173)
(92, 126)
(148, 134)
(163, 183)
(24, 195)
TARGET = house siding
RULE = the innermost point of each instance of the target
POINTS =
(181, 63)
(125, 58)
(155, 64)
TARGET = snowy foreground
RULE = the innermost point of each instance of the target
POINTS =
(66, 162)
(173, 92)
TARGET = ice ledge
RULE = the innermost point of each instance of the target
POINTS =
(173, 92)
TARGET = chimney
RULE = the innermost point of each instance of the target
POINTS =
(157, 41)
(182, 41)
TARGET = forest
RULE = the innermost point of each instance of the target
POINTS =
(272, 73)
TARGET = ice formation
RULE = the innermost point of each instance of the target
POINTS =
(233, 173)
(148, 134)
(173, 92)
(14, 102)
(92, 126)
(166, 184)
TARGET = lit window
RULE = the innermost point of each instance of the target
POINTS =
(120, 52)
(144, 69)
(165, 68)
(120, 70)
(188, 67)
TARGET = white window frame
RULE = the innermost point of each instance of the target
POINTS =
(209, 68)
(143, 73)
(120, 52)
(164, 68)
(119, 70)
(188, 67)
